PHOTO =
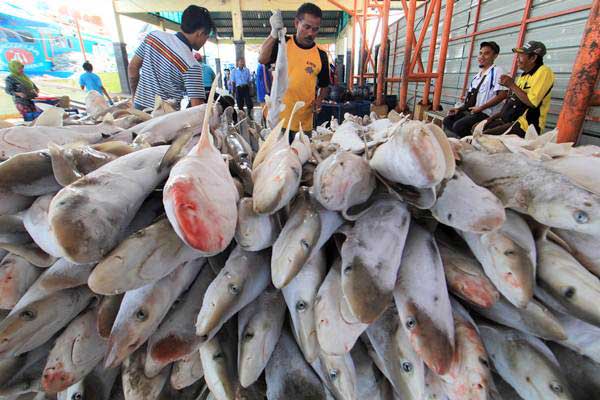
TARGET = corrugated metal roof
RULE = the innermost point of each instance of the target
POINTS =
(256, 23)
(561, 35)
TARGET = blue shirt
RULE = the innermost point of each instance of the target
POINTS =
(208, 75)
(90, 81)
(240, 76)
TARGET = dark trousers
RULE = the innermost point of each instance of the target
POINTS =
(242, 96)
(496, 126)
(462, 123)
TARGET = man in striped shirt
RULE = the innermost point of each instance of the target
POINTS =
(164, 64)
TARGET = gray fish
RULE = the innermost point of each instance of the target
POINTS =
(343, 180)
(582, 337)
(89, 216)
(573, 286)
(61, 275)
(136, 385)
(464, 274)
(370, 262)
(399, 362)
(218, 356)
(307, 230)
(107, 314)
(527, 186)
(143, 258)
(77, 350)
(31, 252)
(508, 257)
(280, 83)
(369, 381)
(30, 326)
(29, 174)
(338, 373)
(255, 232)
(12, 229)
(289, 376)
(300, 295)
(243, 279)
(186, 371)
(16, 277)
(484, 213)
(259, 328)
(583, 247)
(11, 203)
(525, 362)
(423, 302)
(29, 376)
(336, 333)
(176, 337)
(534, 318)
(38, 226)
(143, 309)
(241, 152)
(580, 371)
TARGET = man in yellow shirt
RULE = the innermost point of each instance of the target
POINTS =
(529, 99)
(308, 65)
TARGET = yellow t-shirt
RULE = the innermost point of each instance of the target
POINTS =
(538, 86)
(307, 68)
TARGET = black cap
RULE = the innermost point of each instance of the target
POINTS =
(493, 45)
(532, 47)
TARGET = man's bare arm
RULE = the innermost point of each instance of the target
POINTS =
(266, 50)
(133, 70)
(196, 102)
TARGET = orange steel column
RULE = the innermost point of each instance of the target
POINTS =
(471, 48)
(583, 80)
(410, 32)
(434, 30)
(437, 94)
(382, 64)
(352, 52)
(363, 46)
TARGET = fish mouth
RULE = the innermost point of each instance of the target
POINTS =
(56, 379)
(117, 354)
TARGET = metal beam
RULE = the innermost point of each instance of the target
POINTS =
(236, 16)
(147, 6)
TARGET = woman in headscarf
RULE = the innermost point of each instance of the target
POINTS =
(21, 88)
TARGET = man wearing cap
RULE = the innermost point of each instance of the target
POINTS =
(484, 96)
(529, 99)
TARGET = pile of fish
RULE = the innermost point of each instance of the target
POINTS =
(198, 254)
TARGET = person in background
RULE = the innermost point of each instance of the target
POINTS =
(208, 75)
(308, 65)
(240, 79)
(21, 88)
(264, 79)
(227, 80)
(529, 99)
(89, 81)
(484, 96)
(164, 65)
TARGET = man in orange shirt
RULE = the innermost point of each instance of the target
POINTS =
(308, 65)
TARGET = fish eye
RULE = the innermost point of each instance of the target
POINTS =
(304, 243)
(248, 335)
(218, 355)
(234, 289)
(348, 269)
(333, 374)
(556, 387)
(27, 315)
(407, 366)
(569, 292)
(141, 315)
(77, 396)
(581, 217)
(411, 322)
(301, 305)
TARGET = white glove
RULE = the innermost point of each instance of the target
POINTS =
(276, 21)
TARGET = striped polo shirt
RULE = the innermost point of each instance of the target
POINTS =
(169, 69)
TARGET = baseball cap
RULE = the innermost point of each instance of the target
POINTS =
(531, 47)
(493, 45)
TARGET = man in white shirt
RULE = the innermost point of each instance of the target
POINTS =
(484, 96)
